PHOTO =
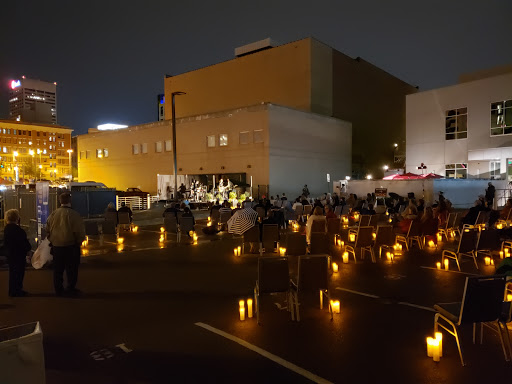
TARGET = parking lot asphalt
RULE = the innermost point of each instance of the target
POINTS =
(163, 313)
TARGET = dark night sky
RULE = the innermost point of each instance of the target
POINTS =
(109, 57)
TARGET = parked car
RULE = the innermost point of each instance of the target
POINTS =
(132, 192)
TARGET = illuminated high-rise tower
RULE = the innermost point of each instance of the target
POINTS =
(33, 101)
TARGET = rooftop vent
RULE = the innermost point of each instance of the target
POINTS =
(255, 47)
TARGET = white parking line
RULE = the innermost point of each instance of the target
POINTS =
(268, 355)
(417, 306)
(358, 293)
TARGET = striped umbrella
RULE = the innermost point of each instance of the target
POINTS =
(242, 220)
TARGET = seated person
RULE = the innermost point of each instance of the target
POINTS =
(429, 224)
(125, 208)
(171, 209)
(216, 206)
(110, 208)
(317, 215)
(369, 210)
(329, 212)
(270, 219)
(188, 213)
(506, 210)
(472, 214)
(226, 207)
(238, 207)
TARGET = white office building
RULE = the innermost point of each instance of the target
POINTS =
(464, 130)
(33, 101)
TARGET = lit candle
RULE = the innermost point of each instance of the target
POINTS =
(161, 239)
(345, 257)
(239, 250)
(509, 296)
(390, 220)
(487, 260)
(335, 267)
(430, 346)
(120, 240)
(501, 254)
(352, 237)
(446, 264)
(120, 248)
(339, 242)
(282, 251)
(374, 235)
(439, 237)
(499, 226)
(162, 229)
(335, 305)
(492, 261)
(431, 244)
(235, 251)
(242, 313)
(439, 338)
(438, 264)
(249, 308)
(435, 351)
(135, 229)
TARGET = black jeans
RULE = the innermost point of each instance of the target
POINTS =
(65, 259)
(16, 274)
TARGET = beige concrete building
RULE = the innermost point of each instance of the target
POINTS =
(310, 76)
(34, 151)
(271, 145)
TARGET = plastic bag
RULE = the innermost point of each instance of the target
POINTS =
(42, 254)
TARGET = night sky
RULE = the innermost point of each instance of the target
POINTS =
(109, 58)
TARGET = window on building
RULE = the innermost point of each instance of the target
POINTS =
(456, 171)
(38, 133)
(210, 141)
(87, 154)
(495, 169)
(168, 145)
(99, 153)
(144, 147)
(456, 124)
(501, 118)
(258, 136)
(82, 155)
(223, 139)
(158, 146)
(245, 137)
(105, 152)
(135, 149)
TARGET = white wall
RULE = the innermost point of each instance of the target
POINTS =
(425, 119)
(303, 148)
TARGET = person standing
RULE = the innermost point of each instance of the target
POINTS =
(66, 232)
(489, 194)
(305, 190)
(16, 244)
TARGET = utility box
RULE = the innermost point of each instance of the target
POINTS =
(22, 354)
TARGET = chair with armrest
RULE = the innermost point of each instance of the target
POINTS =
(481, 302)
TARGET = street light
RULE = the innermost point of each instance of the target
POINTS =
(31, 153)
(70, 151)
(178, 93)
(385, 167)
(14, 155)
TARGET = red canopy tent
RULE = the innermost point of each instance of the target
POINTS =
(405, 176)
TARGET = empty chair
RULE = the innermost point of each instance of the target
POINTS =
(273, 277)
(320, 243)
(298, 211)
(312, 278)
(296, 244)
(270, 237)
(374, 221)
(364, 221)
(364, 240)
(338, 209)
(223, 220)
(481, 302)
(108, 227)
(413, 234)
(466, 247)
(171, 226)
(91, 228)
(443, 231)
(252, 236)
(384, 239)
(186, 224)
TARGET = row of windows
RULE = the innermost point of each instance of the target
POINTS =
(245, 137)
(456, 121)
(19, 132)
(100, 153)
(159, 145)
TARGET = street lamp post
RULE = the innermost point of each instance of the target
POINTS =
(70, 151)
(174, 142)
(14, 155)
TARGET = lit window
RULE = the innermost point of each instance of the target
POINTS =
(210, 140)
(495, 169)
(456, 124)
(135, 149)
(158, 146)
(5, 149)
(168, 145)
(99, 153)
(501, 118)
(245, 137)
(223, 139)
(258, 136)
(105, 152)
(144, 147)
(44, 152)
(456, 171)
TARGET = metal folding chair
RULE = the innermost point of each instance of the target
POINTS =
(171, 225)
(466, 247)
(273, 277)
(364, 240)
(296, 244)
(270, 237)
(384, 239)
(312, 277)
(481, 302)
(252, 235)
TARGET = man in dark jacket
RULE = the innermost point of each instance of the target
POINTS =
(17, 246)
